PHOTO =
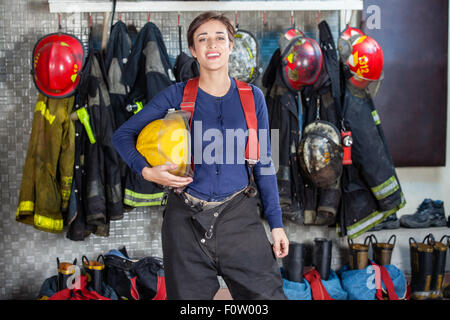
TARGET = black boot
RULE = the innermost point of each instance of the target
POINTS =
(322, 257)
(293, 263)
(94, 272)
(437, 278)
(65, 270)
(421, 255)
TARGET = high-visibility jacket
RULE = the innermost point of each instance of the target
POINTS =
(47, 174)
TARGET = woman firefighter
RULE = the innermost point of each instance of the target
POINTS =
(211, 224)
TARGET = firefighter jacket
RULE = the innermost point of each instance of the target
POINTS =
(117, 51)
(322, 100)
(147, 72)
(48, 170)
(371, 189)
(97, 184)
(282, 107)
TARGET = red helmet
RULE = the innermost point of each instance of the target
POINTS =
(349, 32)
(345, 41)
(57, 61)
(365, 62)
(301, 61)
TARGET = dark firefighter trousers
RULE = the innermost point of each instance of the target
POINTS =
(227, 240)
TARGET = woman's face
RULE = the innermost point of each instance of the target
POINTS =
(212, 47)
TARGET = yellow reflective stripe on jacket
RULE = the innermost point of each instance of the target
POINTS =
(136, 199)
(386, 188)
(48, 223)
(376, 117)
(42, 108)
(25, 206)
(370, 221)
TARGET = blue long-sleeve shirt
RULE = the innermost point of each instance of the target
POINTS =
(221, 171)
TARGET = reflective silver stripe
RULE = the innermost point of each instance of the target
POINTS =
(386, 190)
(353, 230)
(135, 199)
(114, 194)
(93, 189)
(115, 78)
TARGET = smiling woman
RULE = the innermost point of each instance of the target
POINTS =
(211, 224)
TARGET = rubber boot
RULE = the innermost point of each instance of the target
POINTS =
(358, 255)
(421, 255)
(322, 257)
(294, 262)
(382, 252)
(437, 278)
(65, 270)
(94, 272)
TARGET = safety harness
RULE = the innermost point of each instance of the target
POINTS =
(248, 105)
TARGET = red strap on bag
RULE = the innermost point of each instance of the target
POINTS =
(381, 274)
(248, 105)
(317, 288)
(161, 289)
(133, 289)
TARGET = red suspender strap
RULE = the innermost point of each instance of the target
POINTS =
(248, 104)
(189, 97)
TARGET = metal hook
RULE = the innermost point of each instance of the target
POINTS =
(236, 20)
(318, 17)
(292, 19)
(265, 18)
(148, 18)
(59, 22)
(178, 23)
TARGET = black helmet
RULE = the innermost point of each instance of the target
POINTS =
(244, 62)
(320, 153)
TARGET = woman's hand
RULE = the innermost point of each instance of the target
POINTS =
(280, 243)
(161, 175)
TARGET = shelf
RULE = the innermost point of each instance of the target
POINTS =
(72, 6)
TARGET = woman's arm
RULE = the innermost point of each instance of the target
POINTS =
(124, 139)
(266, 180)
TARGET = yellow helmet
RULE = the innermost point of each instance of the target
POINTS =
(166, 141)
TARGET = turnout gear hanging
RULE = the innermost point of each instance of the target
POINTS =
(371, 189)
(98, 189)
(322, 101)
(147, 72)
(282, 107)
(116, 57)
(48, 170)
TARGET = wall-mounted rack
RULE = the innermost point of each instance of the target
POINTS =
(71, 6)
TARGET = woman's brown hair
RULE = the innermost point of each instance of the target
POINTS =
(205, 17)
